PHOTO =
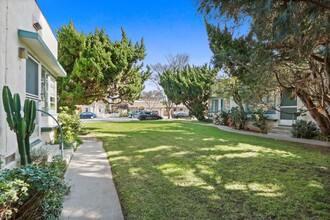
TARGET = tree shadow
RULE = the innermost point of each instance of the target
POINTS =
(177, 170)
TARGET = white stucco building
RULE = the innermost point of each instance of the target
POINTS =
(286, 105)
(29, 66)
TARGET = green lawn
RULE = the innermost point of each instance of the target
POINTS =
(178, 170)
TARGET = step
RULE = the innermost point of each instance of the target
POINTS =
(281, 131)
(53, 150)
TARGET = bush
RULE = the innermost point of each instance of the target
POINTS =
(304, 129)
(322, 137)
(259, 120)
(237, 118)
(221, 118)
(32, 192)
(71, 127)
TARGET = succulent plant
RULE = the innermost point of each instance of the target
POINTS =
(23, 126)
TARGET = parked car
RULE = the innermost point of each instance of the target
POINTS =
(149, 115)
(181, 115)
(87, 115)
(134, 114)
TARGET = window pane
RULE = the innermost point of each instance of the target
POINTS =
(48, 96)
(44, 94)
(31, 77)
(288, 99)
(288, 114)
(52, 104)
(35, 133)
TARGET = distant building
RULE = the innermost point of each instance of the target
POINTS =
(286, 105)
(159, 107)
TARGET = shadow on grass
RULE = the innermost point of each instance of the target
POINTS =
(178, 170)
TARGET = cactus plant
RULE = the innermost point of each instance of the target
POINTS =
(23, 126)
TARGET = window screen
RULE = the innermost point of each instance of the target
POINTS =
(31, 77)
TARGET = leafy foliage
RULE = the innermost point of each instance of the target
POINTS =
(190, 86)
(71, 126)
(221, 118)
(293, 43)
(304, 129)
(32, 192)
(177, 62)
(99, 69)
(237, 118)
(234, 56)
(259, 120)
(322, 137)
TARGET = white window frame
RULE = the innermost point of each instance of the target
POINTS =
(36, 134)
(49, 81)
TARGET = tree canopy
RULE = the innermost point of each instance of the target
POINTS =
(234, 56)
(293, 44)
(99, 69)
(174, 62)
(190, 86)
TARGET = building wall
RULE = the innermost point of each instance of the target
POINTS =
(275, 115)
(142, 105)
(15, 15)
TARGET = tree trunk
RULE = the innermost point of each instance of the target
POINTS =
(169, 112)
(322, 120)
(238, 100)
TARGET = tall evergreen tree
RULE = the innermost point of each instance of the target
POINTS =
(99, 69)
(177, 62)
(241, 80)
(294, 41)
(190, 86)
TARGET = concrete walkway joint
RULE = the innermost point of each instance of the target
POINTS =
(93, 194)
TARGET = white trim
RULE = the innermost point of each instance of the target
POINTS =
(35, 98)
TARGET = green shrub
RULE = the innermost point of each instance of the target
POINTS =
(237, 118)
(71, 127)
(322, 137)
(259, 120)
(304, 129)
(221, 118)
(32, 192)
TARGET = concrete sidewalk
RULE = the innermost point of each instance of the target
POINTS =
(272, 136)
(93, 194)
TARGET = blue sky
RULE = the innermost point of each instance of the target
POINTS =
(167, 26)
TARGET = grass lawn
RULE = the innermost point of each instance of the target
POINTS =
(178, 170)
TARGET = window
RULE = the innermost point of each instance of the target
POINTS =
(32, 90)
(215, 106)
(48, 93)
(32, 71)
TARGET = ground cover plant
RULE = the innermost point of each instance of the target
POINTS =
(180, 170)
(33, 192)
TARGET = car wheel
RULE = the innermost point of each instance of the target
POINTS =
(92, 117)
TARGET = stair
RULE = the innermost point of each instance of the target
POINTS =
(281, 131)
(53, 150)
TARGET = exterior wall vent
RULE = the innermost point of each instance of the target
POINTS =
(37, 26)
(10, 158)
